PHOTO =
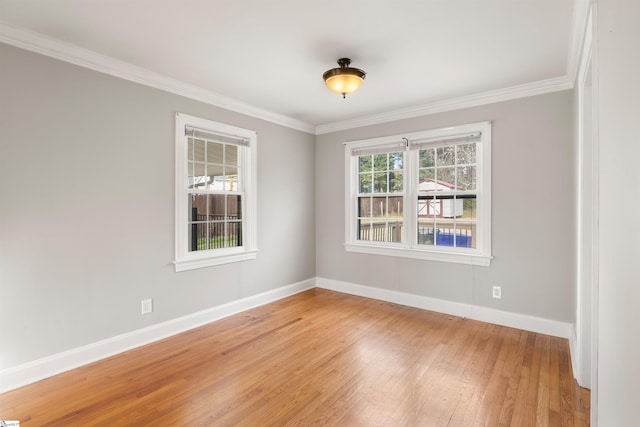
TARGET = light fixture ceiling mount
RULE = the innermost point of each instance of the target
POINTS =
(345, 79)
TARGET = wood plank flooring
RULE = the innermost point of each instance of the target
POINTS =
(320, 358)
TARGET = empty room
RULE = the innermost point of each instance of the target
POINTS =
(319, 213)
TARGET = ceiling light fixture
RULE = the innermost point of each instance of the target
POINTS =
(345, 79)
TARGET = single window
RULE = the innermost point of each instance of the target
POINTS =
(423, 195)
(215, 193)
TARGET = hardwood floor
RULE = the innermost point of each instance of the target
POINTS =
(320, 358)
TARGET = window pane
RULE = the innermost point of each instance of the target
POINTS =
(380, 180)
(427, 210)
(189, 149)
(395, 207)
(445, 156)
(197, 225)
(396, 161)
(364, 163)
(425, 233)
(231, 155)
(423, 209)
(380, 219)
(216, 207)
(395, 230)
(214, 152)
(364, 207)
(380, 162)
(365, 183)
(216, 235)
(234, 207)
(364, 218)
(234, 236)
(379, 207)
(444, 232)
(197, 207)
(197, 175)
(364, 229)
(230, 178)
(466, 225)
(466, 154)
(395, 182)
(466, 177)
(196, 151)
(446, 179)
(234, 183)
(379, 231)
(215, 180)
(427, 158)
(427, 180)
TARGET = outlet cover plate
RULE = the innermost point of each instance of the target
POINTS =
(147, 306)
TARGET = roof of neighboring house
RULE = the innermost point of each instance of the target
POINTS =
(447, 185)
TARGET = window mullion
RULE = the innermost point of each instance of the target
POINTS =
(410, 213)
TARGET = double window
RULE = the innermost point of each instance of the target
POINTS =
(215, 193)
(422, 195)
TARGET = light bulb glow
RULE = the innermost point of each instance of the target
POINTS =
(344, 83)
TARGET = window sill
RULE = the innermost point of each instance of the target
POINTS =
(192, 263)
(466, 257)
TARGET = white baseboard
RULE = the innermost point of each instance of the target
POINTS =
(37, 370)
(484, 314)
(40, 369)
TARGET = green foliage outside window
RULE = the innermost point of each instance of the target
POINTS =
(381, 173)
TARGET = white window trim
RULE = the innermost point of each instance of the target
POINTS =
(184, 259)
(410, 249)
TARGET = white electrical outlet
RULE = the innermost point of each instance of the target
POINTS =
(147, 306)
(497, 292)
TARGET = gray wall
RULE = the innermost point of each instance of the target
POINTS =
(87, 202)
(533, 211)
(618, 62)
(86, 218)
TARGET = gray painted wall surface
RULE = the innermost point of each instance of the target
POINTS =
(533, 211)
(87, 203)
(618, 59)
(86, 219)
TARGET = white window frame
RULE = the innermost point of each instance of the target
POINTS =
(247, 163)
(481, 255)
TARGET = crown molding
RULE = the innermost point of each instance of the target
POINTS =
(514, 92)
(76, 55)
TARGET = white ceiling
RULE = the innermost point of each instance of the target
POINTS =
(269, 56)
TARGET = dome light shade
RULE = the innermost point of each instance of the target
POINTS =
(344, 80)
